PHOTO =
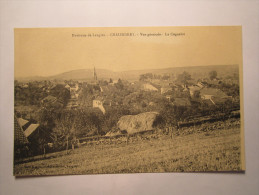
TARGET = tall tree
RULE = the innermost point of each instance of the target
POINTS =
(65, 128)
(213, 74)
(184, 78)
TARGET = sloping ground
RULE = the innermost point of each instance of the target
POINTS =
(217, 150)
(137, 123)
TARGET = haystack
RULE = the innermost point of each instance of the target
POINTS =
(136, 123)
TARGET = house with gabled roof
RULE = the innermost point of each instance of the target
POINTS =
(31, 129)
(67, 86)
(201, 84)
(149, 87)
(51, 101)
(216, 96)
(74, 88)
(22, 122)
(98, 103)
(207, 93)
(192, 89)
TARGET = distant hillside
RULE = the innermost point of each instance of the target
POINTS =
(87, 74)
(81, 74)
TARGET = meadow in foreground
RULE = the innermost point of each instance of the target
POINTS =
(217, 150)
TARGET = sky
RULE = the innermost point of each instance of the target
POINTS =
(51, 51)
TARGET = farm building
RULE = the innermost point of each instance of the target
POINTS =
(149, 87)
(20, 140)
(23, 123)
(136, 123)
(30, 136)
(98, 103)
(28, 128)
(216, 96)
(31, 129)
(207, 93)
(74, 88)
(192, 89)
(51, 102)
(201, 84)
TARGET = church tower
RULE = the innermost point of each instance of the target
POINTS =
(95, 75)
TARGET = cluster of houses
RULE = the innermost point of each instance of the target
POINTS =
(200, 90)
(26, 132)
(75, 90)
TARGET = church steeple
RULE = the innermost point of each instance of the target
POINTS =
(95, 75)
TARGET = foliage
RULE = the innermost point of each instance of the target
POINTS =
(183, 78)
(36, 91)
(30, 95)
(213, 74)
(119, 85)
(230, 89)
(148, 76)
(196, 94)
(40, 139)
(171, 115)
(60, 92)
(124, 99)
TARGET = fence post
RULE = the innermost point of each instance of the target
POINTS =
(171, 132)
(44, 151)
(67, 145)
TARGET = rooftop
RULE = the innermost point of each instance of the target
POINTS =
(213, 92)
(31, 129)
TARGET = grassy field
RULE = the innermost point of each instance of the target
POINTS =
(217, 150)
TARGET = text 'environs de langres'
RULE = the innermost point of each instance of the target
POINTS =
(127, 34)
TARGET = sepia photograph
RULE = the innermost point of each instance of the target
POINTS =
(109, 100)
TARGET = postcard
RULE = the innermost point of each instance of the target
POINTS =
(108, 100)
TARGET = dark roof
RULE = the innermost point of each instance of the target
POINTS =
(31, 129)
(19, 136)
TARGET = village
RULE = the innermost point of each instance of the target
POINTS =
(56, 115)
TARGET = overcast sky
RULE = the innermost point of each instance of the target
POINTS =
(50, 51)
